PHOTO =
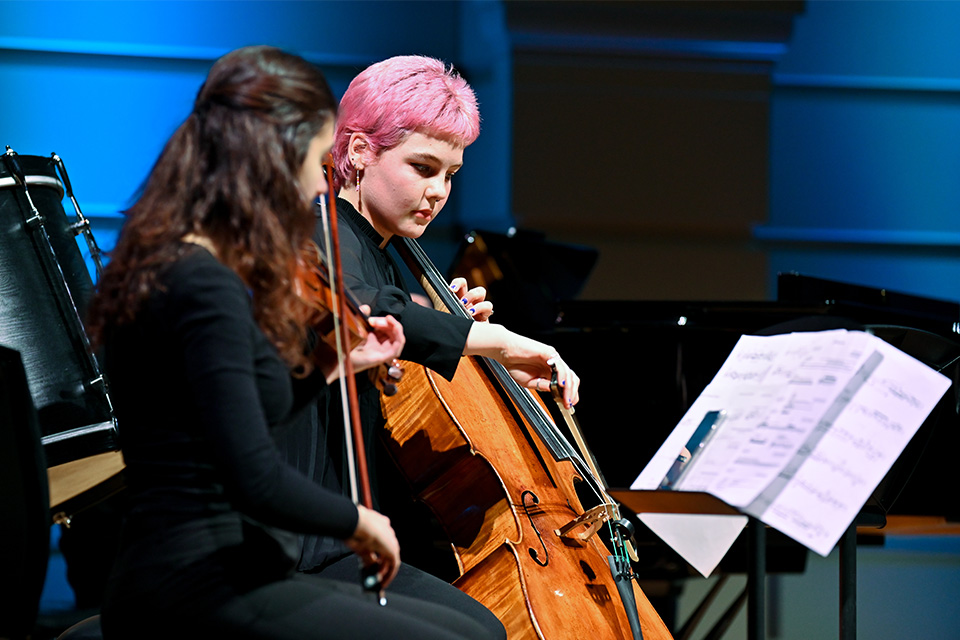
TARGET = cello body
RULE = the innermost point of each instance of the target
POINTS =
(471, 455)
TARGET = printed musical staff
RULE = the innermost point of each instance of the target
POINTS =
(813, 421)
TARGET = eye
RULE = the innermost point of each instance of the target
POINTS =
(422, 169)
(450, 176)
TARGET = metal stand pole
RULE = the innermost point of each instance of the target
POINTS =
(848, 583)
(756, 578)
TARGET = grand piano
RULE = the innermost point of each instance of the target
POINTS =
(647, 361)
(673, 349)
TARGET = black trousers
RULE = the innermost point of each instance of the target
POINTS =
(310, 607)
(414, 583)
(165, 584)
(302, 607)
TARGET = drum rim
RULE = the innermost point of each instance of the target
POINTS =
(35, 180)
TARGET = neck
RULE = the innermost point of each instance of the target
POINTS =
(201, 241)
(351, 195)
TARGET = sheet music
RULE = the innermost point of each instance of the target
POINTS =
(837, 477)
(813, 421)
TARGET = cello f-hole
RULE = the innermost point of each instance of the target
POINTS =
(526, 509)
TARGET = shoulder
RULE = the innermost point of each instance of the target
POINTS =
(349, 234)
(198, 278)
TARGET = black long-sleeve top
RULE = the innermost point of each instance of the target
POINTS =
(196, 385)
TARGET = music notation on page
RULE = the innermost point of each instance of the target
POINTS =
(811, 423)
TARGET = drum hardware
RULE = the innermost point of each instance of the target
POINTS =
(82, 225)
(44, 289)
(38, 224)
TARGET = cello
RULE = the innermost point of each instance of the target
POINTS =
(483, 454)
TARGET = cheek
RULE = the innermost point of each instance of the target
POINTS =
(308, 181)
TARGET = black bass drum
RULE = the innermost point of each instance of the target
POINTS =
(44, 291)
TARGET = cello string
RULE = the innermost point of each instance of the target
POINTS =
(540, 421)
(549, 432)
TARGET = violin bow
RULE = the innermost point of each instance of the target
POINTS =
(353, 432)
(353, 436)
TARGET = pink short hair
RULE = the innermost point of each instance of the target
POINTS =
(391, 99)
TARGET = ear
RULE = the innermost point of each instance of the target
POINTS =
(358, 149)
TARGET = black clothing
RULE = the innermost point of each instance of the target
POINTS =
(315, 443)
(195, 385)
(433, 339)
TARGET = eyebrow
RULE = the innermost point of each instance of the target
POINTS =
(429, 157)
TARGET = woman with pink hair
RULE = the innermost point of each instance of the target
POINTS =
(403, 126)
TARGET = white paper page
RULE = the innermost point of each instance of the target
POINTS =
(772, 389)
(822, 498)
(701, 540)
(771, 409)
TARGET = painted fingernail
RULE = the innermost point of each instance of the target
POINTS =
(463, 300)
(563, 383)
(453, 287)
(473, 310)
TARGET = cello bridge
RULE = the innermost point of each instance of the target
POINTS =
(584, 526)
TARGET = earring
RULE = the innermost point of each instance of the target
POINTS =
(359, 193)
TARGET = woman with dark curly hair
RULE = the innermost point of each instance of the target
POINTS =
(207, 348)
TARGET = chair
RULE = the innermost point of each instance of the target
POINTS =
(24, 509)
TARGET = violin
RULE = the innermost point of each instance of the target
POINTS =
(313, 286)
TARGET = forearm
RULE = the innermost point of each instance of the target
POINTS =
(487, 340)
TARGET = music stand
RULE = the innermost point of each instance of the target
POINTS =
(845, 459)
(700, 503)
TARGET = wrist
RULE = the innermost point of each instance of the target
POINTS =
(487, 340)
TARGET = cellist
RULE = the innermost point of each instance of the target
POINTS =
(403, 126)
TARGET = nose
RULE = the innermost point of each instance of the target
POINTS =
(437, 188)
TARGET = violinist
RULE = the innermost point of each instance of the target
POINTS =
(403, 127)
(201, 324)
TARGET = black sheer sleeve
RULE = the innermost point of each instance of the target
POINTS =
(433, 338)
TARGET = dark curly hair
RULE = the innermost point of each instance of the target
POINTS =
(230, 173)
